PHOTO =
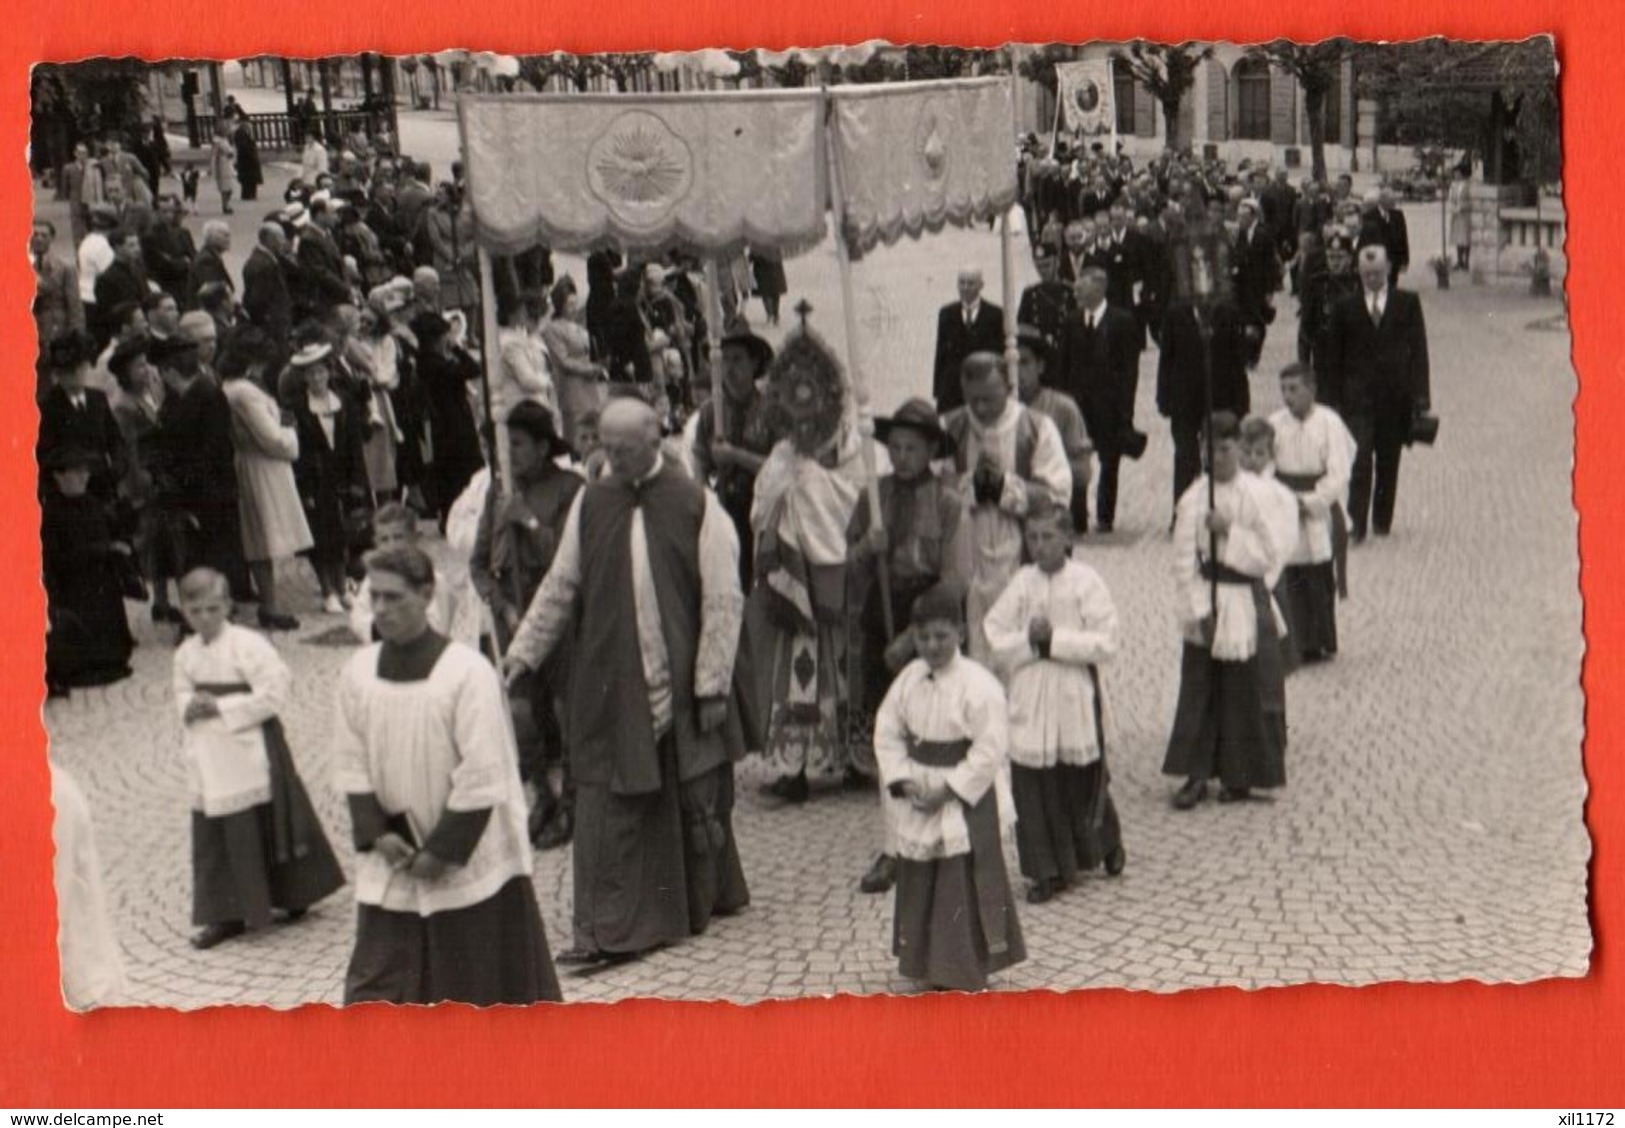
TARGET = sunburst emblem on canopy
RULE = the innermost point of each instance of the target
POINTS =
(640, 168)
(931, 141)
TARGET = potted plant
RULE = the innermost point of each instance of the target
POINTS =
(1441, 270)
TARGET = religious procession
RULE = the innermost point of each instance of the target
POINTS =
(594, 560)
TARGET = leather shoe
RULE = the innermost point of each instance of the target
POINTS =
(1040, 892)
(1194, 791)
(789, 789)
(276, 621)
(216, 934)
(1234, 794)
(556, 832)
(1116, 860)
(881, 876)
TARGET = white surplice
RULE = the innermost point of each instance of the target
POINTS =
(1052, 700)
(962, 701)
(996, 530)
(230, 769)
(425, 748)
(1319, 444)
(1252, 546)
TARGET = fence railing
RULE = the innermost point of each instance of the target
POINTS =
(289, 131)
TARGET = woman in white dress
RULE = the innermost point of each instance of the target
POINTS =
(1460, 206)
(223, 158)
(267, 445)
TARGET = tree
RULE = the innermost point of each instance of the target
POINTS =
(1316, 67)
(1168, 72)
(580, 70)
(72, 102)
(1039, 65)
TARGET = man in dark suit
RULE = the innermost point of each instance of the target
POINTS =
(168, 250)
(1280, 202)
(1384, 225)
(1100, 367)
(320, 260)
(1180, 396)
(1079, 250)
(1049, 303)
(125, 281)
(210, 264)
(265, 288)
(1257, 274)
(1121, 250)
(1377, 354)
(963, 327)
(75, 415)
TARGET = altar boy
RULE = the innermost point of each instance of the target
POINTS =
(256, 842)
(941, 742)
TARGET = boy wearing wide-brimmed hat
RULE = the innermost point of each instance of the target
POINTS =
(922, 538)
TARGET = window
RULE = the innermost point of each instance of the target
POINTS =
(1252, 100)
(1123, 95)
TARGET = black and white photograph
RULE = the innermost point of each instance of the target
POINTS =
(762, 524)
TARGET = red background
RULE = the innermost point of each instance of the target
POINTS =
(1544, 1045)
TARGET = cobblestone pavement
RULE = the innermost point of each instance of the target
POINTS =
(1432, 825)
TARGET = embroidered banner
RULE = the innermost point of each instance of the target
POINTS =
(1088, 98)
(916, 156)
(713, 171)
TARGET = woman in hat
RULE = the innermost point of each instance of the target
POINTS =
(89, 640)
(447, 375)
(581, 382)
(331, 471)
(375, 353)
(223, 164)
(267, 445)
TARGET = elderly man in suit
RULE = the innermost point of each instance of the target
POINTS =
(967, 326)
(265, 286)
(123, 282)
(1377, 360)
(1383, 224)
(1100, 369)
(1257, 272)
(168, 250)
(209, 265)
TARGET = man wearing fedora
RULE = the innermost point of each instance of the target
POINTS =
(72, 414)
(730, 462)
(1377, 358)
(320, 258)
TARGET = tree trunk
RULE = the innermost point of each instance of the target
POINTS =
(1170, 113)
(1314, 99)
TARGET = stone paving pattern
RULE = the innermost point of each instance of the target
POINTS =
(1432, 827)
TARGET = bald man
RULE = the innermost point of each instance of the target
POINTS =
(1377, 372)
(646, 583)
(967, 326)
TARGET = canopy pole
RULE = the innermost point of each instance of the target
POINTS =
(495, 446)
(856, 383)
(1007, 257)
(713, 340)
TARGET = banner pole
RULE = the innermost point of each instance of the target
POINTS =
(857, 385)
(713, 339)
(1007, 259)
(490, 353)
